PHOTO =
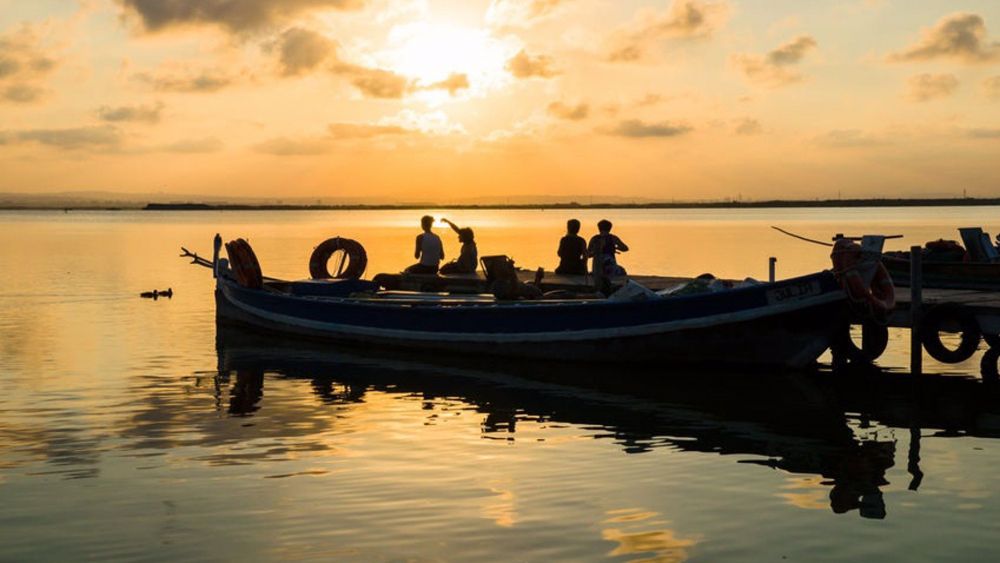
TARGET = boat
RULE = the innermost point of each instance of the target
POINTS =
(787, 323)
(950, 265)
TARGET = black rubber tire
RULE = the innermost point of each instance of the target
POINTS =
(988, 365)
(992, 340)
(930, 337)
(874, 340)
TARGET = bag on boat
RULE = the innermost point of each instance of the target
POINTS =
(633, 291)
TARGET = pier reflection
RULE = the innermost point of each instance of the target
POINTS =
(834, 434)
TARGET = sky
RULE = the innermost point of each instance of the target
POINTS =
(468, 100)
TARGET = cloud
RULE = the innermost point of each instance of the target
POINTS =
(927, 87)
(375, 82)
(748, 127)
(322, 144)
(774, 69)
(194, 146)
(523, 65)
(93, 137)
(519, 13)
(571, 113)
(188, 81)
(686, 19)
(364, 130)
(456, 81)
(637, 129)
(848, 138)
(649, 100)
(959, 36)
(984, 133)
(301, 50)
(284, 146)
(23, 65)
(237, 16)
(138, 114)
(20, 93)
(991, 86)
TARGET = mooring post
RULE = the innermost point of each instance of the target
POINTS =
(216, 247)
(916, 287)
(770, 268)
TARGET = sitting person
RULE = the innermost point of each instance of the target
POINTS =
(602, 248)
(572, 251)
(429, 250)
(468, 258)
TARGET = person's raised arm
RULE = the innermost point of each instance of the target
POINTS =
(420, 239)
(620, 245)
(453, 226)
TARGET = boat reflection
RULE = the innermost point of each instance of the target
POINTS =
(833, 431)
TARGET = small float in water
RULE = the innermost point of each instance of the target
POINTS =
(787, 323)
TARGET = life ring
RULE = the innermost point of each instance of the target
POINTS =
(357, 259)
(874, 341)
(930, 329)
(877, 298)
(244, 263)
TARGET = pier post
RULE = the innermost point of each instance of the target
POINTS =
(770, 268)
(916, 287)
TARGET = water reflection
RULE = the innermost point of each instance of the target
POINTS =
(831, 432)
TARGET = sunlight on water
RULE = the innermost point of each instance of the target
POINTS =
(131, 429)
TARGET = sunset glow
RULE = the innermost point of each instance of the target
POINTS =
(487, 100)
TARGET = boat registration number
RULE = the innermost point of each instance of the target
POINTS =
(792, 293)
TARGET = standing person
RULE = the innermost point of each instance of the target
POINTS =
(429, 249)
(572, 251)
(602, 248)
(468, 257)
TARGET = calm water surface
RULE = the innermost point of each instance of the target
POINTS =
(134, 429)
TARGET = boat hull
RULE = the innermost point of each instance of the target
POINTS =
(785, 324)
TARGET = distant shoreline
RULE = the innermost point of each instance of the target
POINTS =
(769, 204)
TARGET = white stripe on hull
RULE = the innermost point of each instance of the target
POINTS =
(350, 330)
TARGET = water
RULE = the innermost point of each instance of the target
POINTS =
(127, 432)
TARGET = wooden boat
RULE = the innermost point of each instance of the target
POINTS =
(976, 267)
(785, 323)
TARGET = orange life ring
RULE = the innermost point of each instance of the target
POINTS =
(357, 259)
(244, 263)
(880, 295)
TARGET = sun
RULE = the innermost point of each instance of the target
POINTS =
(432, 52)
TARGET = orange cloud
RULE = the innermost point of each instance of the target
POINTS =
(523, 65)
(958, 36)
(23, 65)
(684, 19)
(571, 113)
(775, 68)
(302, 50)
(637, 129)
(141, 113)
(234, 16)
(927, 87)
(188, 80)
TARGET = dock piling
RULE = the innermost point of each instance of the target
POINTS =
(770, 268)
(916, 287)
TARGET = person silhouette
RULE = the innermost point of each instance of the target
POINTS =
(429, 250)
(572, 251)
